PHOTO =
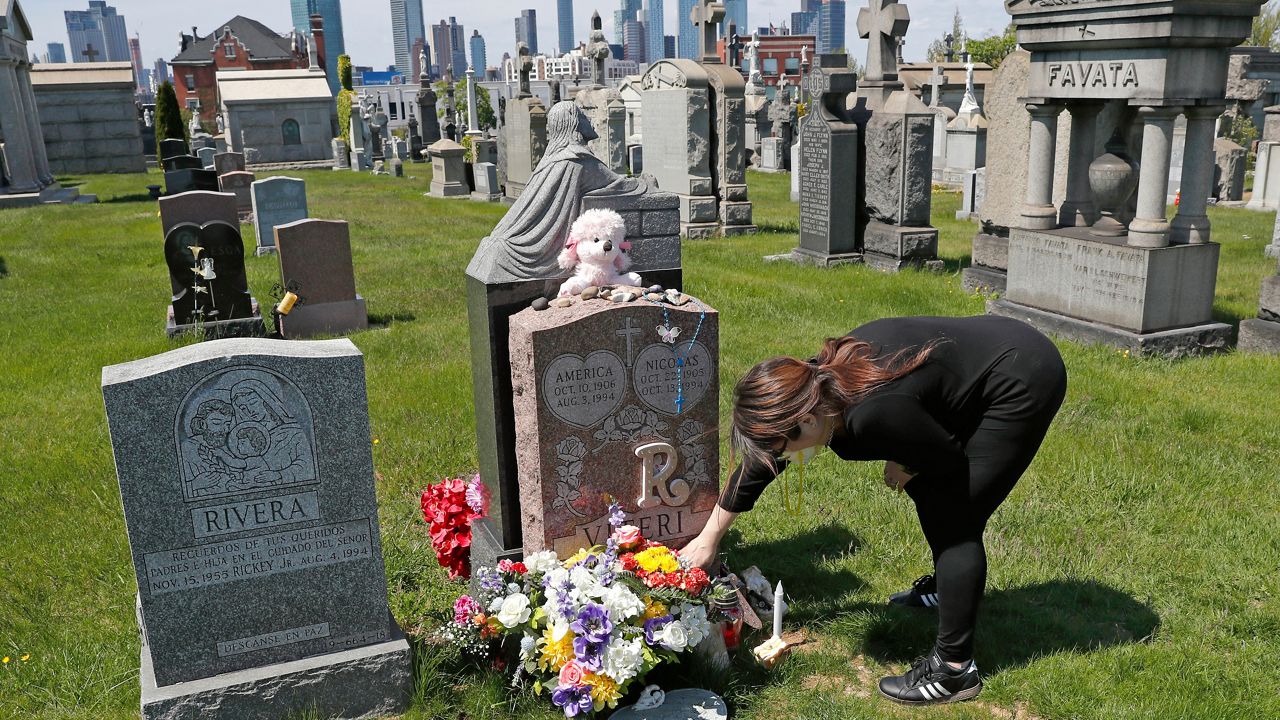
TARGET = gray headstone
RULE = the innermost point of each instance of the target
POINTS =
(206, 156)
(238, 183)
(1230, 160)
(172, 148)
(828, 169)
(276, 201)
(227, 162)
(341, 157)
(247, 483)
(187, 180)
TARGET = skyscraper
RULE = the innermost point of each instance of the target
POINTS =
(57, 53)
(160, 71)
(735, 13)
(527, 29)
(654, 49)
(334, 44)
(626, 11)
(831, 26)
(479, 58)
(450, 43)
(686, 31)
(633, 45)
(135, 57)
(101, 28)
(406, 30)
(804, 22)
(564, 24)
(669, 46)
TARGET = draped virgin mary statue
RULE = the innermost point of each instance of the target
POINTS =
(524, 246)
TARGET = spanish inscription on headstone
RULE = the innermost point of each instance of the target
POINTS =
(606, 408)
(247, 483)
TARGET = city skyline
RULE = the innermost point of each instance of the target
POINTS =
(367, 29)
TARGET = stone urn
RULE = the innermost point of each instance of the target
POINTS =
(1112, 178)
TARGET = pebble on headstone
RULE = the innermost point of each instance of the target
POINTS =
(596, 392)
(315, 265)
(276, 201)
(247, 484)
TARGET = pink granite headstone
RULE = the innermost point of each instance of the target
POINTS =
(595, 390)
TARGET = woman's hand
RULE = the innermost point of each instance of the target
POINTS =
(701, 552)
(896, 476)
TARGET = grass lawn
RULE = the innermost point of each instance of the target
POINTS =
(1133, 571)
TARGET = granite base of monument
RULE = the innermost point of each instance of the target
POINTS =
(1201, 339)
(978, 279)
(990, 269)
(331, 318)
(1075, 273)
(55, 194)
(894, 247)
(237, 328)
(1260, 336)
(805, 256)
(368, 682)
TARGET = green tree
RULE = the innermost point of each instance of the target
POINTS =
(1266, 27)
(1242, 131)
(937, 51)
(994, 48)
(488, 119)
(344, 72)
(169, 125)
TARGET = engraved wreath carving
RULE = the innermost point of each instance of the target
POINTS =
(628, 425)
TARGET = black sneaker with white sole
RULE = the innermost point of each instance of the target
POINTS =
(923, 594)
(932, 682)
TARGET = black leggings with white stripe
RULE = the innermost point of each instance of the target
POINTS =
(954, 515)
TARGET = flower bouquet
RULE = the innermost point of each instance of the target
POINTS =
(449, 507)
(585, 628)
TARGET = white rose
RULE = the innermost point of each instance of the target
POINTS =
(673, 636)
(515, 610)
(695, 620)
(622, 659)
(542, 562)
(622, 603)
(586, 583)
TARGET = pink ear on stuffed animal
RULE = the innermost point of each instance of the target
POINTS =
(568, 258)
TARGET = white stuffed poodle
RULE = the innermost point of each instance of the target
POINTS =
(596, 251)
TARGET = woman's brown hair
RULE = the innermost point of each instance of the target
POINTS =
(772, 396)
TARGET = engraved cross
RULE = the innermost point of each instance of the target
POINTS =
(629, 331)
(882, 22)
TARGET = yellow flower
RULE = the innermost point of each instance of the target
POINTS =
(604, 690)
(26, 657)
(555, 653)
(653, 608)
(6, 660)
(657, 558)
(577, 558)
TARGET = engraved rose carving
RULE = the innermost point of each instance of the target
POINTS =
(570, 451)
(693, 453)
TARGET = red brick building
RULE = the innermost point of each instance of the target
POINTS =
(239, 43)
(779, 56)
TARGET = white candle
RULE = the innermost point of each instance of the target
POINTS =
(777, 611)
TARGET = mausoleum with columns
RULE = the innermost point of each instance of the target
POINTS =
(1100, 266)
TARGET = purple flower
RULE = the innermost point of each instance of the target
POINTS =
(593, 623)
(654, 626)
(589, 654)
(573, 700)
(489, 580)
(616, 516)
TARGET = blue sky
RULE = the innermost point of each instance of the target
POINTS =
(368, 22)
